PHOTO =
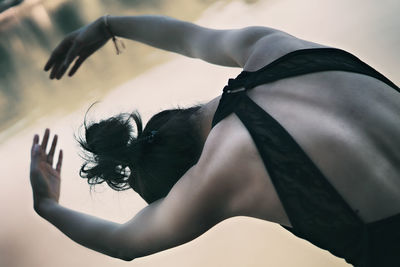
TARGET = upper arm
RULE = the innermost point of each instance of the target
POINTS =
(227, 47)
(197, 202)
(249, 48)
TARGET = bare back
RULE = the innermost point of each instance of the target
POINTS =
(346, 124)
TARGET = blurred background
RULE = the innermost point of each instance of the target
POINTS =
(148, 80)
(29, 31)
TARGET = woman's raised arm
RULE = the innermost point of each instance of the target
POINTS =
(222, 47)
(200, 199)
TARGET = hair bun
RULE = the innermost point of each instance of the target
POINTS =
(107, 150)
(108, 137)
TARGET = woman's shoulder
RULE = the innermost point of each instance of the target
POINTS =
(274, 46)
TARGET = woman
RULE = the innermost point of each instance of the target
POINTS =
(306, 136)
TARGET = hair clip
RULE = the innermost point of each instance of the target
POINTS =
(150, 138)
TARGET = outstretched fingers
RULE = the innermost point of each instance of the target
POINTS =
(39, 155)
(50, 156)
(62, 56)
(54, 57)
(58, 55)
(45, 140)
(35, 140)
(59, 161)
(55, 70)
(77, 64)
(35, 143)
(73, 52)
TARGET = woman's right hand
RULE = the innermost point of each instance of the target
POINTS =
(80, 43)
(45, 179)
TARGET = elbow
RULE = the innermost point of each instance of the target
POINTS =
(119, 247)
(125, 255)
(126, 258)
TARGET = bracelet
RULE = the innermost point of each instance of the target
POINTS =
(118, 44)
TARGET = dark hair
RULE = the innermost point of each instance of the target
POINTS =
(150, 162)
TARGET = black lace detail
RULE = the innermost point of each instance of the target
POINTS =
(315, 209)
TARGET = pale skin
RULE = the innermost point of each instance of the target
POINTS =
(230, 179)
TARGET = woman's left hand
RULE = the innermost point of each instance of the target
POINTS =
(45, 180)
(81, 44)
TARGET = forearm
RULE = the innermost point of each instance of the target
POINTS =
(94, 233)
(158, 31)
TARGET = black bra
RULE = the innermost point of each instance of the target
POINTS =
(315, 209)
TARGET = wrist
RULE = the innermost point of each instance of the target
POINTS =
(100, 28)
(110, 33)
(106, 27)
(43, 206)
